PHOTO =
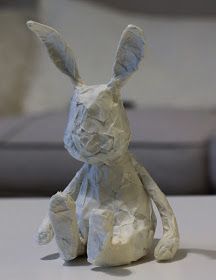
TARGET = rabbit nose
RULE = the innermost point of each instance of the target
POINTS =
(95, 143)
(106, 142)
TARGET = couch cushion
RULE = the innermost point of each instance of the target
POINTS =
(171, 126)
(35, 170)
(46, 128)
(172, 144)
(177, 170)
(10, 126)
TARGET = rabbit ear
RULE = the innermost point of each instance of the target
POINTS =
(60, 53)
(129, 54)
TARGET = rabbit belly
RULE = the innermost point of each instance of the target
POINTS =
(127, 200)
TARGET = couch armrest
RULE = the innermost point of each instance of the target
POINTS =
(212, 163)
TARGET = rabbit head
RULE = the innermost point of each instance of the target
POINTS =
(97, 130)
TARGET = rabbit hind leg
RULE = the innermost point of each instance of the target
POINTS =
(62, 214)
(106, 247)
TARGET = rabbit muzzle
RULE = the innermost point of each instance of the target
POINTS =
(90, 144)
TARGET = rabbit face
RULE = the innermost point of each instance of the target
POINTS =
(97, 130)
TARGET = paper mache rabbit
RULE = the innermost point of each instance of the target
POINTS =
(106, 210)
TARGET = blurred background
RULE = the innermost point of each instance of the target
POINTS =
(171, 100)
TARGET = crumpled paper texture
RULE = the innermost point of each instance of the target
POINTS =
(106, 210)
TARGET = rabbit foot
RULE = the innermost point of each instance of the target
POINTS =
(166, 248)
(100, 233)
(62, 214)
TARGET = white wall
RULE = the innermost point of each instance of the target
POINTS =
(179, 64)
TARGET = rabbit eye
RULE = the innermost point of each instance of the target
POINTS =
(98, 119)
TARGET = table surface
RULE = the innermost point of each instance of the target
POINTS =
(22, 258)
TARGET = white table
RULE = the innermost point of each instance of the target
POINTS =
(22, 259)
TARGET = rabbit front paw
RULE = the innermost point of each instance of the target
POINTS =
(166, 248)
(45, 234)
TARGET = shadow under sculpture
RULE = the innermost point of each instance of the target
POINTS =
(106, 210)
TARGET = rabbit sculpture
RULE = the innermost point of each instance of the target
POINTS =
(106, 210)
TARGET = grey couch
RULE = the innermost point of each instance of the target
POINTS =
(176, 146)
